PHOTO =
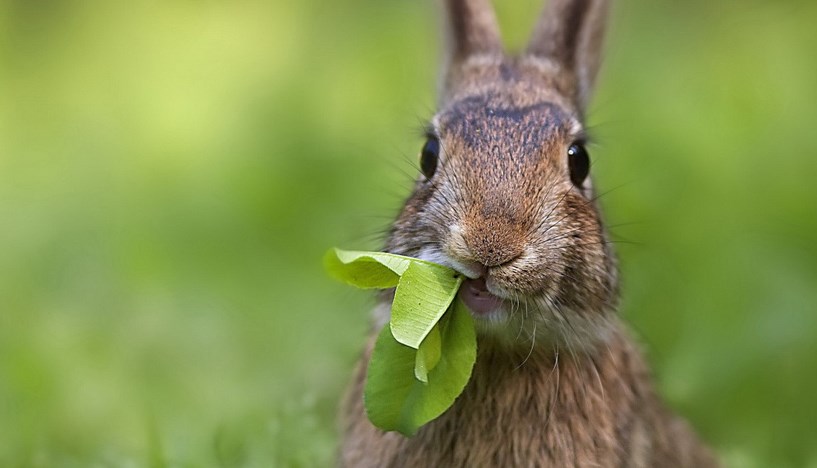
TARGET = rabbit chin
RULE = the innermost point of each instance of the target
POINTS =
(534, 322)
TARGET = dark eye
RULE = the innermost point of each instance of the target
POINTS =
(579, 163)
(429, 156)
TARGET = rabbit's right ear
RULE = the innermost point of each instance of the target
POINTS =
(472, 31)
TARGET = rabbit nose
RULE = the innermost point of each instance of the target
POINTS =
(485, 244)
(493, 247)
(495, 230)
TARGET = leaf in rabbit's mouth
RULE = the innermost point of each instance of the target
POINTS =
(423, 359)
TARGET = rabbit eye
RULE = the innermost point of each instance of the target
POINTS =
(429, 156)
(579, 163)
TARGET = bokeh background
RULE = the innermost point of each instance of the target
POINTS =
(172, 172)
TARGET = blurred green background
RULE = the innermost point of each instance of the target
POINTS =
(171, 173)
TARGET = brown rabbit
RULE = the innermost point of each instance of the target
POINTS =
(505, 198)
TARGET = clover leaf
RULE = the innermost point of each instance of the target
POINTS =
(422, 361)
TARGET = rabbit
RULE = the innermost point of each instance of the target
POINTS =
(505, 198)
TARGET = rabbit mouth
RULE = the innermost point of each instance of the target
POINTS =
(481, 302)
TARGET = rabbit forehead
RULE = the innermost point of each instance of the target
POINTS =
(490, 133)
(488, 120)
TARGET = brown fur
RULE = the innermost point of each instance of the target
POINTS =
(557, 382)
(555, 410)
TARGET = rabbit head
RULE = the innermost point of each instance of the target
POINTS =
(505, 195)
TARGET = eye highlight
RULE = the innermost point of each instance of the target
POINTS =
(578, 161)
(429, 156)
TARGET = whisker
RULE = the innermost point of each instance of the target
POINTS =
(530, 351)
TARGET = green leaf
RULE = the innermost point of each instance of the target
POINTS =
(422, 361)
(368, 270)
(395, 400)
(428, 354)
(424, 292)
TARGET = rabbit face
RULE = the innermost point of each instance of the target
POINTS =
(502, 207)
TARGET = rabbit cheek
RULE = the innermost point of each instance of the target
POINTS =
(585, 283)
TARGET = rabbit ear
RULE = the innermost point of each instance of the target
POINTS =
(570, 35)
(472, 30)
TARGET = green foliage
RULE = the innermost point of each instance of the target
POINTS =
(395, 399)
(423, 359)
(424, 289)
(428, 354)
(367, 270)
(423, 295)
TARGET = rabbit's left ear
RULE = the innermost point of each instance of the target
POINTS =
(570, 34)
